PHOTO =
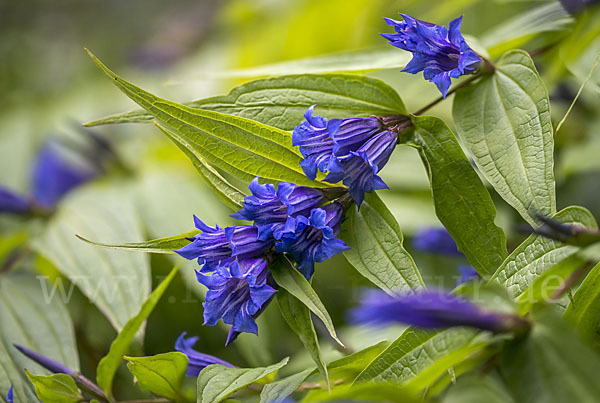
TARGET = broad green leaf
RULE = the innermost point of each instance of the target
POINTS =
(286, 276)
(537, 254)
(371, 392)
(504, 122)
(520, 29)
(583, 312)
(110, 363)
(33, 314)
(226, 192)
(161, 245)
(281, 101)
(419, 357)
(216, 382)
(117, 282)
(278, 391)
(476, 388)
(242, 147)
(375, 239)
(57, 388)
(161, 374)
(551, 364)
(462, 203)
(11, 375)
(356, 61)
(297, 316)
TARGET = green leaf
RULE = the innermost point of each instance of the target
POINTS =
(537, 254)
(355, 61)
(418, 357)
(583, 313)
(371, 392)
(462, 203)
(551, 364)
(110, 363)
(239, 146)
(281, 101)
(225, 191)
(476, 388)
(290, 279)
(216, 382)
(161, 245)
(161, 374)
(57, 388)
(33, 314)
(278, 391)
(504, 121)
(375, 239)
(117, 282)
(297, 316)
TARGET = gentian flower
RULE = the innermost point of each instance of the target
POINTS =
(9, 396)
(270, 208)
(434, 310)
(45, 362)
(11, 202)
(351, 150)
(197, 360)
(235, 295)
(440, 53)
(467, 273)
(436, 240)
(313, 239)
(214, 247)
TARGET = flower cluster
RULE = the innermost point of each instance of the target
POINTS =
(291, 219)
(351, 150)
(440, 53)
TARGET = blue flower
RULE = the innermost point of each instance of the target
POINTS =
(316, 145)
(270, 208)
(9, 396)
(436, 310)
(467, 273)
(313, 239)
(436, 240)
(45, 362)
(55, 173)
(11, 202)
(215, 247)
(440, 53)
(197, 361)
(360, 167)
(235, 295)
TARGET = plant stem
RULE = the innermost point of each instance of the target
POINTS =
(440, 99)
(572, 280)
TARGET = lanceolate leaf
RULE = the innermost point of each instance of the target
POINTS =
(537, 254)
(504, 121)
(216, 382)
(293, 281)
(161, 245)
(278, 391)
(58, 388)
(375, 239)
(110, 363)
(161, 374)
(118, 282)
(584, 310)
(462, 203)
(242, 147)
(297, 316)
(282, 101)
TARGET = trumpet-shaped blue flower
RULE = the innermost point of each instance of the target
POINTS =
(197, 360)
(9, 396)
(436, 310)
(313, 239)
(11, 202)
(235, 295)
(316, 145)
(214, 247)
(440, 53)
(270, 208)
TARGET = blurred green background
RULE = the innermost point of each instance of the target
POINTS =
(179, 50)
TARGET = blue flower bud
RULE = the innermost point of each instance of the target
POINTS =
(197, 361)
(440, 53)
(14, 203)
(45, 362)
(9, 396)
(436, 240)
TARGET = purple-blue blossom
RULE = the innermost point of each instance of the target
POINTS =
(467, 273)
(269, 208)
(9, 395)
(436, 240)
(197, 360)
(44, 361)
(440, 53)
(313, 239)
(431, 309)
(12, 202)
(237, 294)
